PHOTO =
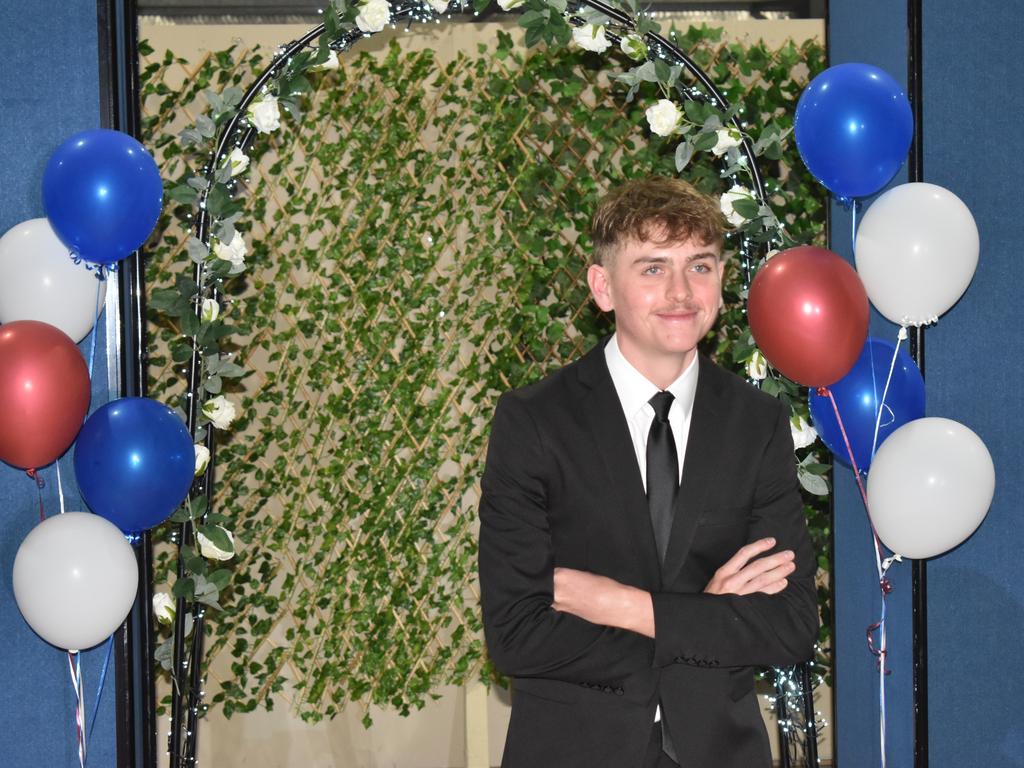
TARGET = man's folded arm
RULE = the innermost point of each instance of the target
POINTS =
(756, 629)
(525, 635)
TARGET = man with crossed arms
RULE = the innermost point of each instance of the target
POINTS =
(642, 541)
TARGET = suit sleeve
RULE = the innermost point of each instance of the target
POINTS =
(526, 637)
(751, 630)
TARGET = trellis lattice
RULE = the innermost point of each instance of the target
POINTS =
(417, 253)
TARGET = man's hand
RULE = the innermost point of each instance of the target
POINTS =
(601, 600)
(745, 573)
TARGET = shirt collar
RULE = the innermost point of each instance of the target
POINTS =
(635, 390)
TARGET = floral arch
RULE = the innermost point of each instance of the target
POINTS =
(691, 113)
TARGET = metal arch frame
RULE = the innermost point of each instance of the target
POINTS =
(183, 736)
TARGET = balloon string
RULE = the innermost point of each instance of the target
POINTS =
(60, 487)
(75, 667)
(881, 406)
(34, 474)
(103, 679)
(853, 225)
(884, 585)
(100, 278)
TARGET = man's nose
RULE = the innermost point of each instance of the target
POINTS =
(679, 286)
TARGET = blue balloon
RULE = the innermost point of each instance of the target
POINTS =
(858, 395)
(853, 127)
(134, 462)
(102, 194)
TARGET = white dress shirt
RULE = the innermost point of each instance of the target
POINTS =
(635, 392)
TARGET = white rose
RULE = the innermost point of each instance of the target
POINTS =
(163, 608)
(441, 6)
(736, 192)
(664, 117)
(508, 5)
(237, 160)
(633, 46)
(757, 366)
(373, 15)
(208, 549)
(331, 62)
(264, 114)
(220, 411)
(210, 311)
(234, 251)
(803, 433)
(727, 139)
(202, 458)
(591, 37)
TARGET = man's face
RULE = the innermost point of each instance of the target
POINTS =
(665, 298)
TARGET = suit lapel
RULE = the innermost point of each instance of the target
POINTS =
(703, 450)
(621, 472)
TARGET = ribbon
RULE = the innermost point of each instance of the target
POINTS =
(101, 277)
(40, 484)
(75, 667)
(103, 679)
(884, 585)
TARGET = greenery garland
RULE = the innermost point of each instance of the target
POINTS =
(683, 127)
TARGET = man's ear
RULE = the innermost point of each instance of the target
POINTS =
(600, 289)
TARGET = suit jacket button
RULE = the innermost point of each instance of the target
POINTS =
(607, 689)
(618, 691)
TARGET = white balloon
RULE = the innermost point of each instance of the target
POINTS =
(42, 282)
(75, 578)
(930, 486)
(916, 252)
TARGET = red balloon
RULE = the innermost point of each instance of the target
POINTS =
(808, 312)
(44, 393)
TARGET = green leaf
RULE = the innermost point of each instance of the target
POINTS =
(682, 155)
(198, 506)
(746, 207)
(183, 193)
(220, 577)
(534, 19)
(813, 483)
(197, 250)
(662, 70)
(184, 588)
(218, 537)
(705, 141)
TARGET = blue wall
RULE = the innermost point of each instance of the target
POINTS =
(974, 359)
(49, 90)
(973, 363)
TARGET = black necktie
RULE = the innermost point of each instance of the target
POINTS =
(662, 471)
(662, 486)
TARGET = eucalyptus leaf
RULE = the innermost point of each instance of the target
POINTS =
(682, 155)
(813, 483)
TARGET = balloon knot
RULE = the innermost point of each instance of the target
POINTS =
(822, 391)
(886, 586)
(34, 474)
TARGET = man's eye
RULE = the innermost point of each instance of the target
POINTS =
(703, 268)
(652, 270)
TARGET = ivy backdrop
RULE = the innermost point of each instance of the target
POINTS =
(418, 245)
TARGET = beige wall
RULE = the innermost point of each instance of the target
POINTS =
(438, 735)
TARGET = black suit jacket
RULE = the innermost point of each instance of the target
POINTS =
(562, 487)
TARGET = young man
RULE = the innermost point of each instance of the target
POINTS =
(642, 539)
